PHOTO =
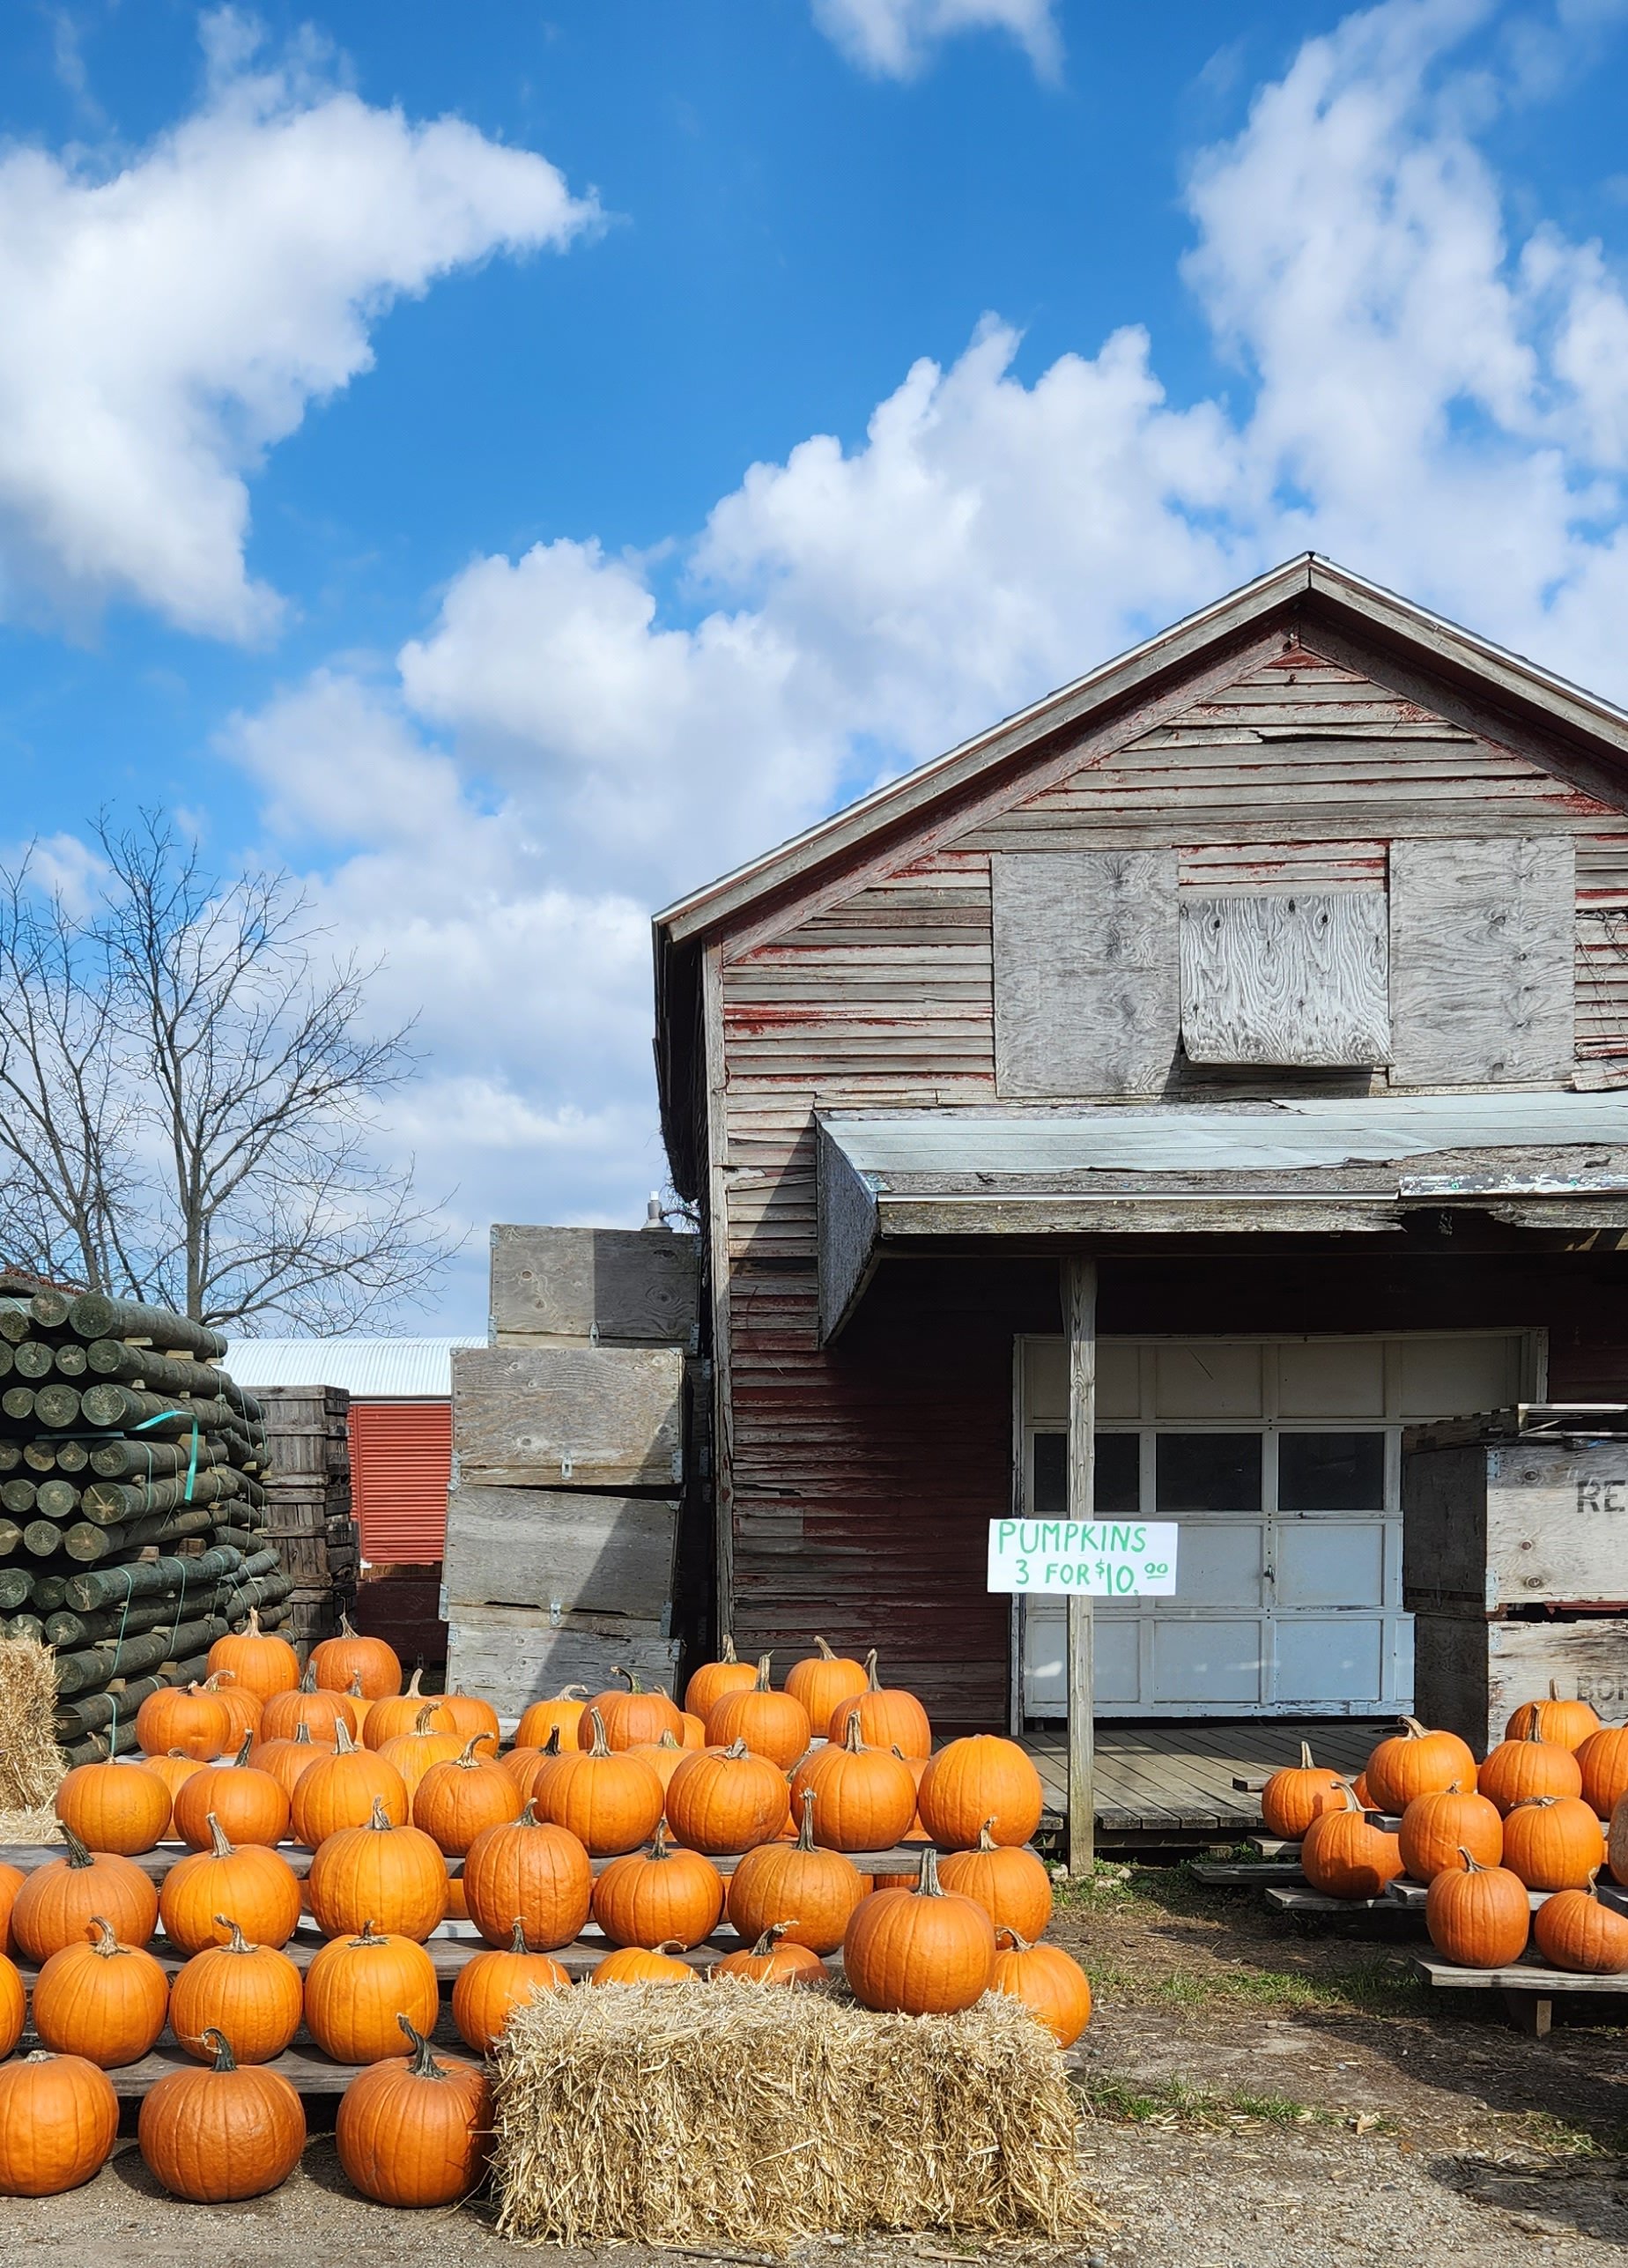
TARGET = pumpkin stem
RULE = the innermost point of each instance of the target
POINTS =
(658, 1841)
(353, 1691)
(1472, 1865)
(1554, 1690)
(528, 1814)
(1306, 1764)
(571, 1692)
(599, 1745)
(412, 1692)
(378, 1821)
(633, 1685)
(422, 1722)
(928, 1885)
(550, 1746)
(826, 1654)
(670, 1945)
(763, 1685)
(302, 1732)
(308, 1683)
(726, 1652)
(78, 1854)
(850, 1733)
(772, 1937)
(225, 2060)
(106, 1941)
(221, 1848)
(736, 1751)
(238, 1942)
(1414, 1729)
(667, 1740)
(1018, 1944)
(873, 1683)
(1349, 1794)
(346, 1628)
(805, 1833)
(517, 1936)
(253, 1623)
(469, 1759)
(244, 1745)
(424, 2065)
(986, 1836)
(342, 1741)
(369, 1936)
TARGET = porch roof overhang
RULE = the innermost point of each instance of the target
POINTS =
(899, 1179)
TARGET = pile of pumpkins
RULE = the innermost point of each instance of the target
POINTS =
(386, 1787)
(1545, 1812)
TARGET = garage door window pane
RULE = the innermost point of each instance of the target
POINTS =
(1209, 1473)
(1331, 1472)
(1118, 1459)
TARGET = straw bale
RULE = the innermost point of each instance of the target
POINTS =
(758, 2115)
(31, 1763)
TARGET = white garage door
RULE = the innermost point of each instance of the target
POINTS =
(1280, 1459)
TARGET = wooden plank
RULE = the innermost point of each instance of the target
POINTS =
(564, 1549)
(714, 1072)
(1525, 1524)
(1482, 948)
(1086, 989)
(639, 1287)
(1225, 1874)
(514, 1657)
(592, 1416)
(1521, 1976)
(1286, 1899)
(1285, 977)
(1079, 1309)
(1470, 1673)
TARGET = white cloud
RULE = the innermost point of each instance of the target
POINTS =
(893, 39)
(168, 319)
(1435, 399)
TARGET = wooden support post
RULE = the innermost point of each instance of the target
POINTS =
(1079, 1309)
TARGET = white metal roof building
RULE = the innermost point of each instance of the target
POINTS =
(373, 1369)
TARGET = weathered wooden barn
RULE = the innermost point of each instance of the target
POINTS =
(1172, 1093)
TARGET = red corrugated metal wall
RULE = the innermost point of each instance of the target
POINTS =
(401, 1468)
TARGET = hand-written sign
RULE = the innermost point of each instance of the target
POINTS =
(1096, 1559)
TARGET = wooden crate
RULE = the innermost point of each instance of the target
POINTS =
(564, 1550)
(603, 1287)
(1499, 1523)
(584, 1416)
(1471, 1671)
(513, 1656)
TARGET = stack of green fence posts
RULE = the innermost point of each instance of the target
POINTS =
(132, 1499)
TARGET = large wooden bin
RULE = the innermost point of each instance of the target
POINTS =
(1516, 1562)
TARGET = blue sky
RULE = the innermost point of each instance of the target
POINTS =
(510, 463)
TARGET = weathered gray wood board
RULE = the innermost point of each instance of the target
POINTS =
(637, 1286)
(593, 1416)
(1087, 999)
(847, 1234)
(513, 1656)
(565, 1549)
(1286, 977)
(1470, 1674)
(1482, 959)
(1489, 1527)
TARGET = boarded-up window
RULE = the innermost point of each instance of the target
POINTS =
(1481, 958)
(1285, 977)
(1086, 999)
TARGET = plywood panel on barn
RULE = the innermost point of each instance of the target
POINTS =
(609, 1286)
(1482, 950)
(603, 1417)
(1471, 1674)
(1285, 977)
(1087, 992)
(564, 1550)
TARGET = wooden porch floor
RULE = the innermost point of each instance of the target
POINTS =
(1172, 1783)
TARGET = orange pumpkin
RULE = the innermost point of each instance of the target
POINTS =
(413, 1754)
(396, 1714)
(725, 1799)
(1363, 1793)
(216, 2134)
(350, 1657)
(196, 1722)
(1298, 1793)
(256, 1886)
(286, 1759)
(356, 1988)
(1554, 1843)
(663, 1756)
(11, 1880)
(1048, 1982)
(560, 1712)
(633, 1965)
(824, 1678)
(775, 1725)
(392, 1876)
(694, 1733)
(660, 1897)
(259, 1661)
(812, 1891)
(635, 1719)
(252, 1993)
(1603, 1759)
(925, 1951)
(976, 1781)
(14, 2007)
(242, 1707)
(58, 1901)
(864, 1798)
(1010, 1883)
(1574, 1931)
(250, 1803)
(532, 1868)
(1436, 1830)
(416, 2133)
(728, 1674)
(101, 2000)
(1531, 1766)
(456, 1800)
(342, 1791)
(610, 1803)
(1415, 1763)
(118, 1807)
(916, 1766)
(492, 1985)
(59, 2120)
(470, 1714)
(1344, 1855)
(775, 1959)
(1478, 1915)
(889, 1718)
(320, 1712)
(174, 1770)
(1567, 1723)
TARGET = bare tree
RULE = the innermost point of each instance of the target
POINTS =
(188, 1096)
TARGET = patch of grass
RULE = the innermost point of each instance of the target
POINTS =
(1169, 2101)
(1378, 1987)
(1560, 2137)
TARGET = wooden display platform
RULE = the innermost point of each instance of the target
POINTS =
(1190, 1781)
(903, 1859)
(1529, 1989)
